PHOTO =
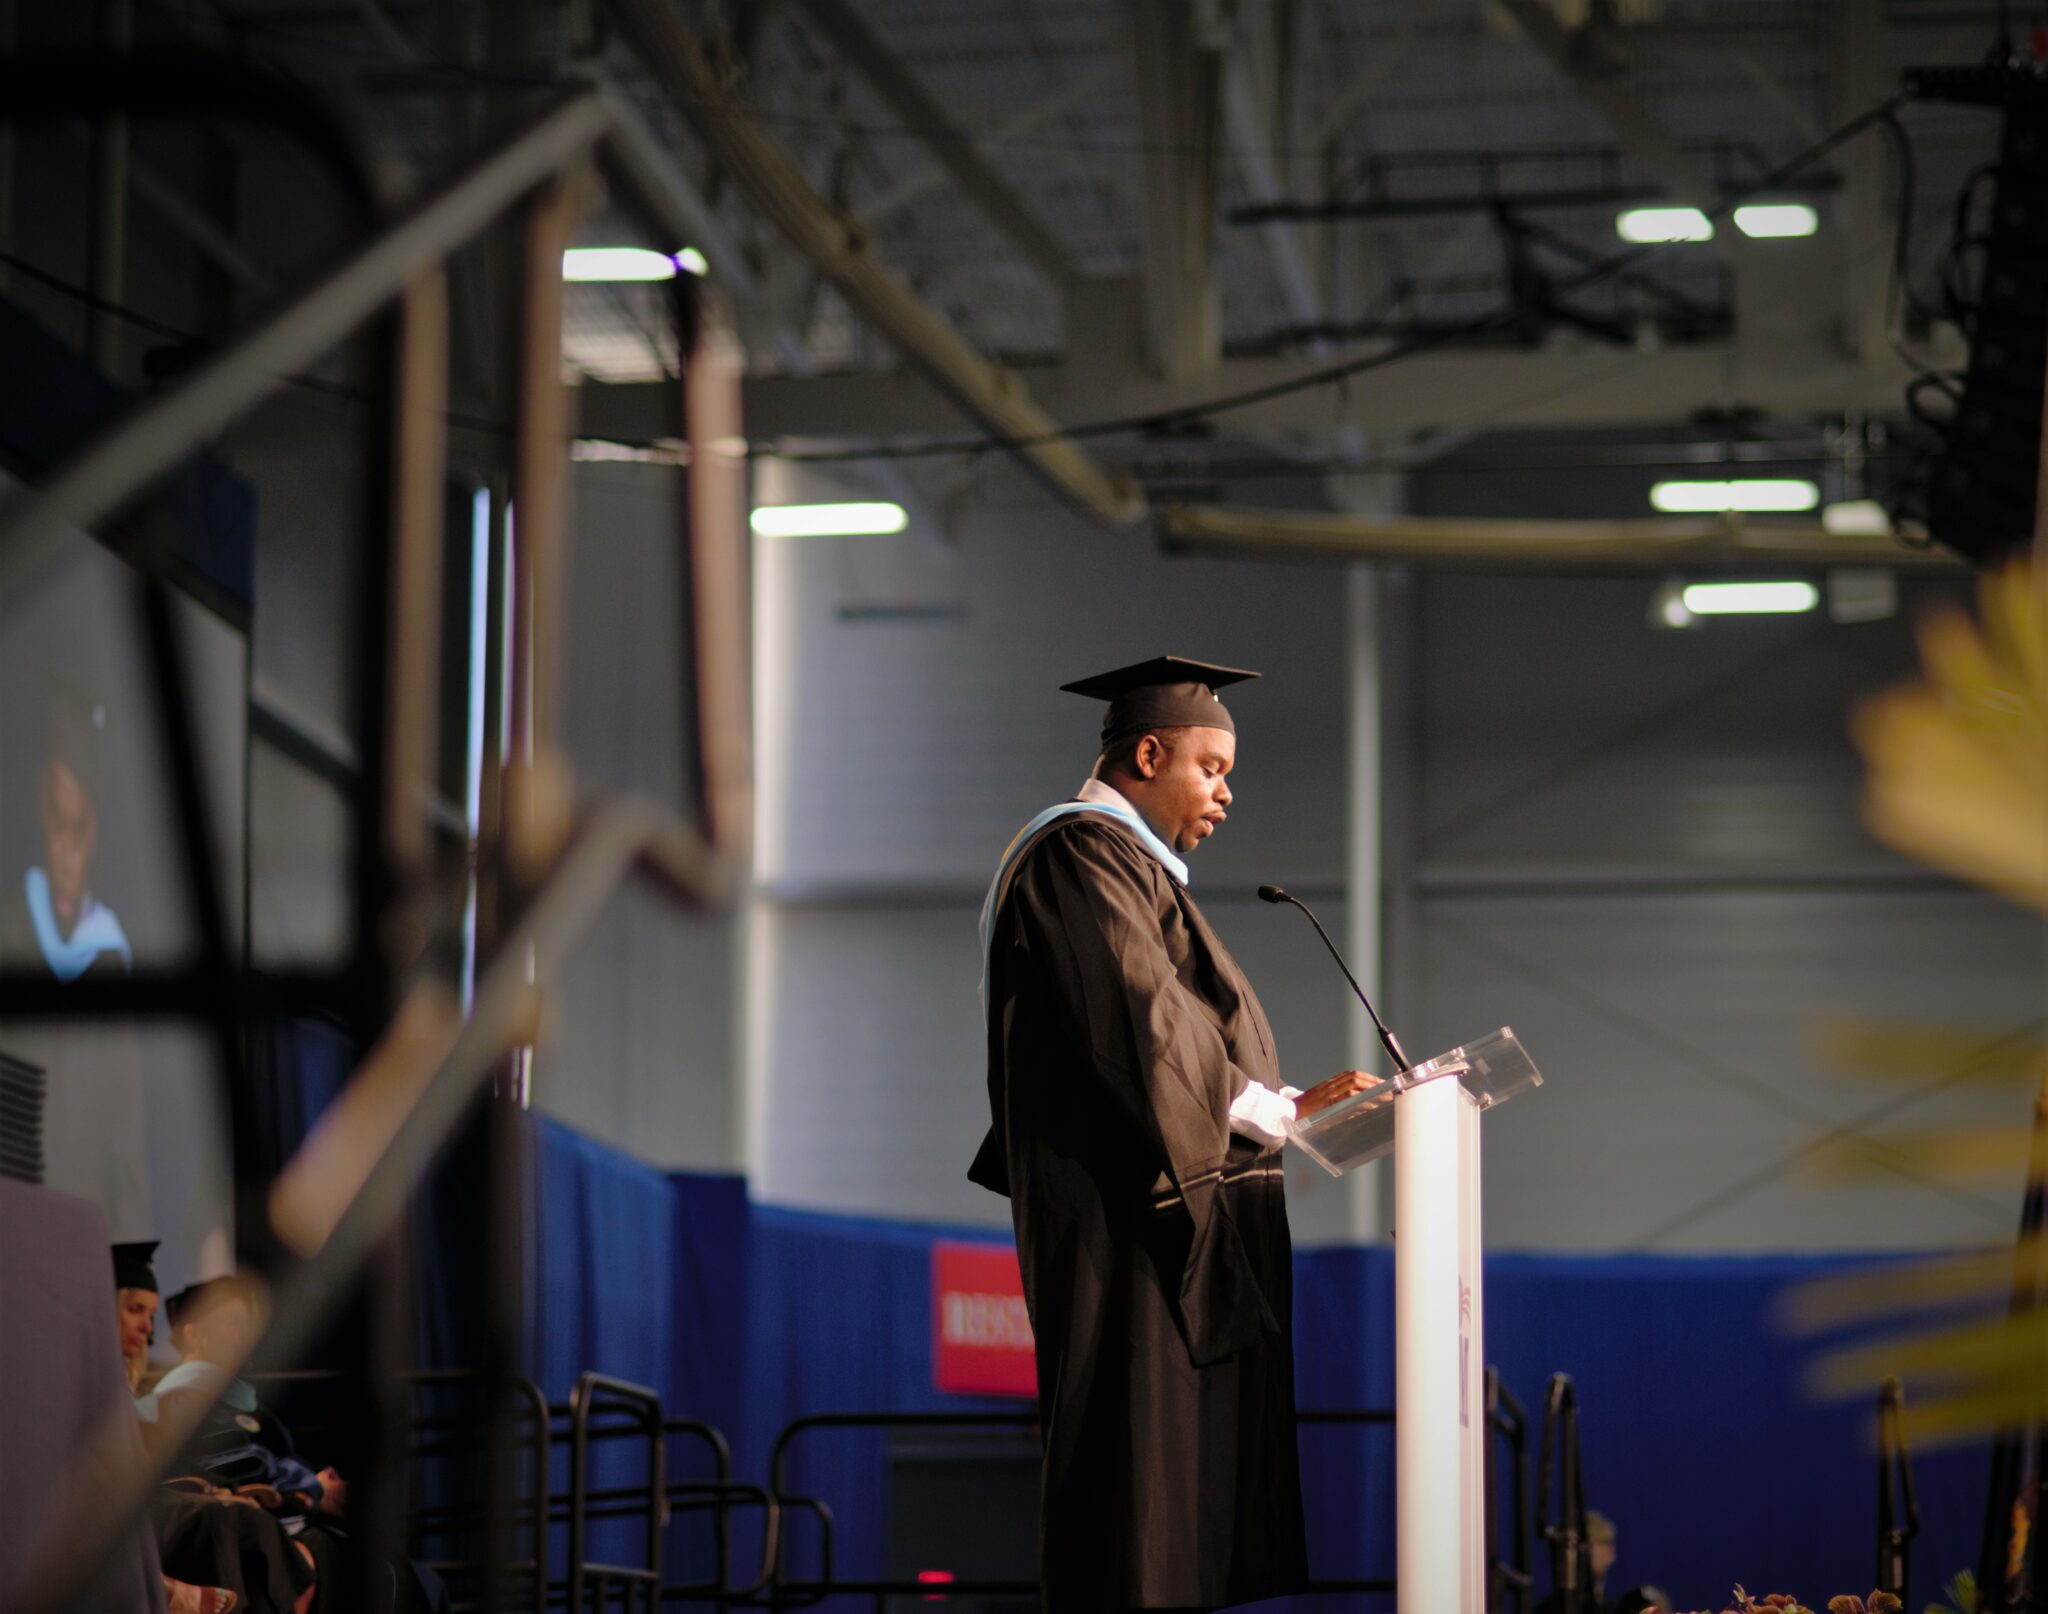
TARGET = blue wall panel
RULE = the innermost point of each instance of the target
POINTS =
(1699, 1437)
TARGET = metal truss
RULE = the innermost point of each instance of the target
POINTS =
(546, 868)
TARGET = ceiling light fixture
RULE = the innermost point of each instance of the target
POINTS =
(1749, 599)
(1651, 226)
(1770, 220)
(1655, 226)
(1856, 518)
(828, 520)
(624, 263)
(1774, 494)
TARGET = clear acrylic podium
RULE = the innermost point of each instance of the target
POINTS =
(1428, 1117)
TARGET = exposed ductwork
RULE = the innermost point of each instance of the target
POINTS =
(1694, 543)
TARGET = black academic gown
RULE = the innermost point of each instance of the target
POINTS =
(1153, 1241)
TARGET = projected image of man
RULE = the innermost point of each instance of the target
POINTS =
(53, 919)
(75, 932)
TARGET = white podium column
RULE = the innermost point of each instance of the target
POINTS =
(1439, 1354)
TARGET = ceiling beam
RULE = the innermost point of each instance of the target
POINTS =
(1025, 124)
(1492, 390)
(1177, 65)
(1859, 81)
(1251, 125)
(1600, 86)
(995, 397)
(1702, 543)
(947, 141)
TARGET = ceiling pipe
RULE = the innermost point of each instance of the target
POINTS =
(1704, 543)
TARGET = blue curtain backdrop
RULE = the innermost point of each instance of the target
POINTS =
(1699, 1437)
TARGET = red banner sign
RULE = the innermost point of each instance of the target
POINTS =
(981, 1333)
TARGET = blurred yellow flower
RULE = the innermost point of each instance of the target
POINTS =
(1958, 761)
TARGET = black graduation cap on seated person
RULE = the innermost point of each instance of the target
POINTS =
(1167, 692)
(133, 1268)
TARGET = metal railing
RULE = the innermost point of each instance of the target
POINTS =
(430, 1437)
(600, 1411)
(591, 1583)
(1508, 1578)
(1898, 1504)
(1570, 1557)
(1508, 1575)
(604, 1410)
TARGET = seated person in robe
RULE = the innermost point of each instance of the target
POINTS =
(135, 1305)
(220, 1553)
(240, 1446)
(243, 1445)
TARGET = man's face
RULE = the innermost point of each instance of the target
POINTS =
(1184, 788)
(71, 828)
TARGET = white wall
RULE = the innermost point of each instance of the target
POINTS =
(1641, 848)
(643, 1044)
(900, 753)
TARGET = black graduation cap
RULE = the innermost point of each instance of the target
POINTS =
(1166, 692)
(132, 1266)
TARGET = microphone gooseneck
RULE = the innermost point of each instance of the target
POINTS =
(1273, 893)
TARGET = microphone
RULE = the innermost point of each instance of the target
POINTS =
(1272, 893)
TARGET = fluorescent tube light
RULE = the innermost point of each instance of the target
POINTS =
(1749, 599)
(693, 262)
(1767, 219)
(1649, 225)
(1856, 518)
(617, 263)
(828, 520)
(1759, 494)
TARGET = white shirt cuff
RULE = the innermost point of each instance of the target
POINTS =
(1261, 1114)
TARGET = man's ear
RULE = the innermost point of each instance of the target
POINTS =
(1146, 759)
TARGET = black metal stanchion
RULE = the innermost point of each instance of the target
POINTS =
(1571, 1559)
(1898, 1507)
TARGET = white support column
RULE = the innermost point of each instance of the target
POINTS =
(1472, 1433)
(1362, 841)
(1439, 1406)
(759, 941)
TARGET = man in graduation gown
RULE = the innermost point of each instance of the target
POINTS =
(1138, 1113)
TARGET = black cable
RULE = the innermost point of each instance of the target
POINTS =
(1334, 374)
(91, 299)
(156, 327)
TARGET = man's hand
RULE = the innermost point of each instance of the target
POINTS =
(1338, 1088)
(333, 1493)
